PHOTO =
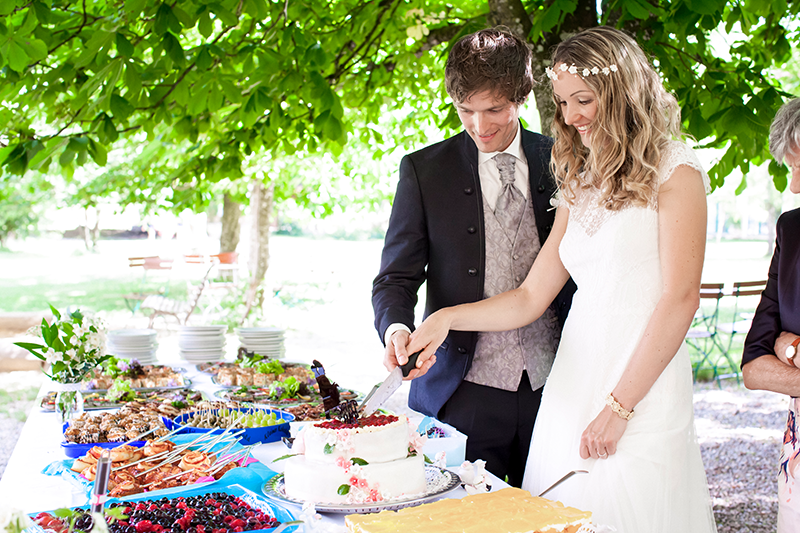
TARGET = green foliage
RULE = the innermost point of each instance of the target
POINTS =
(218, 82)
(73, 345)
(189, 97)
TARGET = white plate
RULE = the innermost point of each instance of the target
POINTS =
(132, 346)
(201, 343)
(203, 329)
(261, 344)
(207, 349)
(122, 333)
(202, 359)
(260, 330)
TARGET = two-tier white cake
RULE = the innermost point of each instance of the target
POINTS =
(370, 461)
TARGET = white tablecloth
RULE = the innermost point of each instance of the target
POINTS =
(23, 486)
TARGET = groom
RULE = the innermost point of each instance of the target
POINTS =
(469, 217)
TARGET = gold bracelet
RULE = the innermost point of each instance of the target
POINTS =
(617, 408)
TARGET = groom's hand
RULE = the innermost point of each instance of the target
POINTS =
(396, 354)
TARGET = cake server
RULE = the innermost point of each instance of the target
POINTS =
(382, 391)
(562, 480)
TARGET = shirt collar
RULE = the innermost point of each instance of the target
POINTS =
(515, 149)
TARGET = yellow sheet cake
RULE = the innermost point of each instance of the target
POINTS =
(508, 510)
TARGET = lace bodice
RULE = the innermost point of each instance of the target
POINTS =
(587, 210)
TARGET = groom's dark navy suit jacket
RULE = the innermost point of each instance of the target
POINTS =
(436, 234)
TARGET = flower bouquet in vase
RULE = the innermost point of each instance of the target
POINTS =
(73, 345)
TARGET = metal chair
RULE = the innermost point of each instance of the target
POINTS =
(164, 306)
(134, 300)
(702, 335)
(743, 312)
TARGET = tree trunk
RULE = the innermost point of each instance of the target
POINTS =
(96, 229)
(584, 17)
(262, 198)
(87, 239)
(231, 213)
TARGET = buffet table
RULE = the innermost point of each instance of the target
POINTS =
(23, 485)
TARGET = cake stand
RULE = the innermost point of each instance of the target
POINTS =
(440, 481)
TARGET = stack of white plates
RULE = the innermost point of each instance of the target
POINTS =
(139, 344)
(263, 341)
(202, 343)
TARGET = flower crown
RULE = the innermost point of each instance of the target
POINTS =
(582, 72)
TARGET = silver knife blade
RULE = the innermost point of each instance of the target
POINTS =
(383, 392)
(380, 393)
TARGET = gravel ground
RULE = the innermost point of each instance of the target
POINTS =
(740, 432)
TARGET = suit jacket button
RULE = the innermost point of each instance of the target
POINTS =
(548, 227)
(461, 349)
(471, 230)
(540, 188)
(468, 190)
(472, 272)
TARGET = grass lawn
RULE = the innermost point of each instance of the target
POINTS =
(321, 287)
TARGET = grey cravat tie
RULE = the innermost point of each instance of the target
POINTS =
(510, 203)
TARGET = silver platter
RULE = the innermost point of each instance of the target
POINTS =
(440, 481)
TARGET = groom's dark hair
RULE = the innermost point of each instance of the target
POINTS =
(493, 60)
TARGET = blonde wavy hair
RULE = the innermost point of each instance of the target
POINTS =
(635, 117)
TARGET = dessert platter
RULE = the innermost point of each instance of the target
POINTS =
(513, 510)
(255, 370)
(102, 400)
(304, 412)
(139, 377)
(171, 462)
(257, 425)
(276, 397)
(127, 424)
(224, 510)
(155, 466)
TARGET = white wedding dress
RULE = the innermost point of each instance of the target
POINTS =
(655, 482)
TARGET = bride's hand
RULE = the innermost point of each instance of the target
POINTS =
(599, 440)
(428, 337)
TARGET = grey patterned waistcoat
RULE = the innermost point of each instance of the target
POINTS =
(500, 357)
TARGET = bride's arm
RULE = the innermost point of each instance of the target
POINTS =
(682, 238)
(509, 310)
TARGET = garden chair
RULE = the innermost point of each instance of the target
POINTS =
(134, 300)
(702, 335)
(743, 311)
(180, 309)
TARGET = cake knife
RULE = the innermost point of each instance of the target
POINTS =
(382, 391)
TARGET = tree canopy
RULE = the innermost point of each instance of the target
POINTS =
(191, 93)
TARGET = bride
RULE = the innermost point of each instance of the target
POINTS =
(630, 230)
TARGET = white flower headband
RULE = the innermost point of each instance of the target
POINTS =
(553, 75)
